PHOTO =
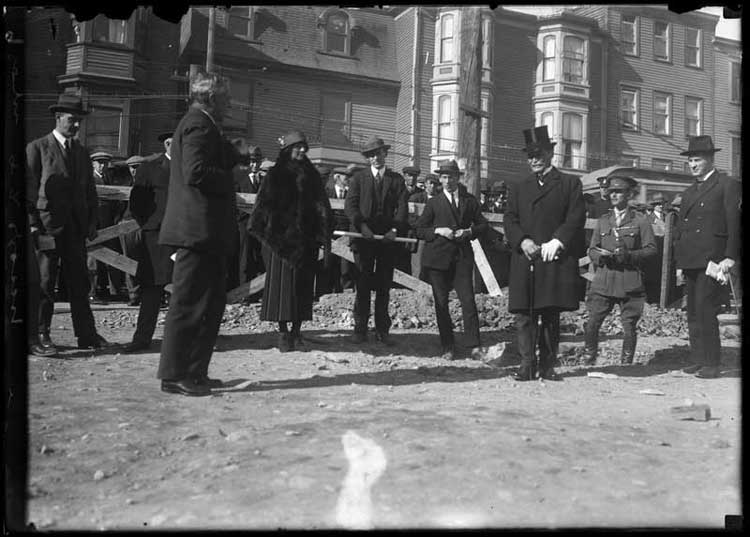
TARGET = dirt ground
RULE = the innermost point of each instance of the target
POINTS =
(340, 436)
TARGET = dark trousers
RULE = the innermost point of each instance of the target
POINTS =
(148, 313)
(132, 245)
(194, 316)
(70, 251)
(374, 262)
(458, 277)
(704, 299)
(547, 338)
(599, 306)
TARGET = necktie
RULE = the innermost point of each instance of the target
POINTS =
(540, 178)
(454, 201)
(69, 155)
(618, 218)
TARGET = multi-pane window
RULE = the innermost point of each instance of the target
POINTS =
(447, 38)
(629, 108)
(693, 47)
(485, 129)
(572, 138)
(629, 34)
(241, 21)
(735, 82)
(693, 116)
(573, 59)
(337, 33)
(103, 129)
(109, 30)
(661, 40)
(446, 138)
(633, 161)
(736, 150)
(661, 164)
(662, 113)
(548, 62)
(335, 125)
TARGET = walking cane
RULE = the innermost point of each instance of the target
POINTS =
(535, 331)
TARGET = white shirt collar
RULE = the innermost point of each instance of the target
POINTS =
(209, 116)
(449, 194)
(620, 212)
(169, 157)
(59, 137)
(708, 175)
(375, 171)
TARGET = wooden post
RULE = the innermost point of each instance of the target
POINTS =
(470, 101)
(210, 40)
(666, 265)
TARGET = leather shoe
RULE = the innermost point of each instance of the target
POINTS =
(524, 373)
(39, 350)
(707, 372)
(185, 387)
(589, 357)
(384, 338)
(692, 369)
(359, 337)
(96, 342)
(135, 346)
(448, 354)
(208, 381)
(477, 353)
(549, 374)
(45, 341)
(285, 342)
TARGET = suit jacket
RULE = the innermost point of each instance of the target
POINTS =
(53, 195)
(419, 197)
(148, 197)
(440, 252)
(708, 225)
(556, 210)
(381, 212)
(200, 207)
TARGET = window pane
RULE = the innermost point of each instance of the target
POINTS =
(572, 127)
(628, 108)
(736, 82)
(661, 40)
(117, 31)
(661, 164)
(337, 24)
(736, 157)
(446, 50)
(661, 113)
(692, 37)
(239, 23)
(548, 119)
(447, 26)
(103, 131)
(548, 65)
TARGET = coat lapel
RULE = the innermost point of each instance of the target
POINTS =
(462, 200)
(449, 209)
(552, 182)
(699, 193)
(56, 150)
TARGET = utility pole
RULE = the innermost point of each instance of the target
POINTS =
(469, 139)
(210, 40)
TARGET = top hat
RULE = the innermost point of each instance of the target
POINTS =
(621, 182)
(342, 170)
(292, 138)
(537, 138)
(411, 170)
(101, 156)
(700, 144)
(164, 135)
(67, 102)
(135, 160)
(450, 167)
(373, 144)
(658, 199)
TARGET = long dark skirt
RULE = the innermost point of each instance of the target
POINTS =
(288, 291)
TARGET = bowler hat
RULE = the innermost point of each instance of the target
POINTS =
(373, 144)
(101, 156)
(292, 138)
(342, 170)
(621, 182)
(700, 144)
(450, 167)
(135, 160)
(164, 135)
(411, 170)
(67, 102)
(658, 199)
(537, 138)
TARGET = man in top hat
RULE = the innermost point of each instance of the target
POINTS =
(198, 221)
(707, 230)
(621, 243)
(543, 222)
(376, 204)
(411, 176)
(62, 202)
(447, 224)
(148, 201)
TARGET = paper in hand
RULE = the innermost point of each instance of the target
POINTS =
(714, 271)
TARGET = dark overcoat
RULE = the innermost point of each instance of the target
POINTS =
(553, 211)
(440, 252)
(148, 201)
(53, 195)
(200, 207)
(708, 225)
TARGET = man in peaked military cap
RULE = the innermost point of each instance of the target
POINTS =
(543, 223)
(622, 241)
(707, 230)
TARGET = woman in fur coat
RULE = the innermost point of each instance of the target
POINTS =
(292, 218)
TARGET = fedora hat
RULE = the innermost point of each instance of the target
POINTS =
(658, 199)
(164, 135)
(67, 102)
(537, 138)
(700, 144)
(101, 156)
(411, 170)
(292, 138)
(450, 167)
(373, 144)
(621, 182)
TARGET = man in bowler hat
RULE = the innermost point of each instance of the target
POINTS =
(375, 204)
(543, 222)
(62, 202)
(707, 230)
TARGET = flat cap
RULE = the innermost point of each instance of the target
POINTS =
(101, 155)
(135, 160)
(342, 170)
(411, 170)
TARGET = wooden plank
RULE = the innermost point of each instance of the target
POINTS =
(666, 261)
(584, 261)
(113, 192)
(691, 412)
(246, 289)
(47, 242)
(480, 258)
(110, 257)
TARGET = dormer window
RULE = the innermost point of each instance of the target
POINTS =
(241, 22)
(337, 33)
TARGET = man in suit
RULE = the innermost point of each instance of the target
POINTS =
(432, 187)
(132, 242)
(543, 222)
(341, 275)
(447, 224)
(105, 280)
(198, 222)
(375, 204)
(707, 230)
(411, 176)
(148, 201)
(62, 202)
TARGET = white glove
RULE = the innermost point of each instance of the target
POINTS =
(445, 232)
(726, 264)
(551, 249)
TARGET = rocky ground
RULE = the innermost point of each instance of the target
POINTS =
(343, 436)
